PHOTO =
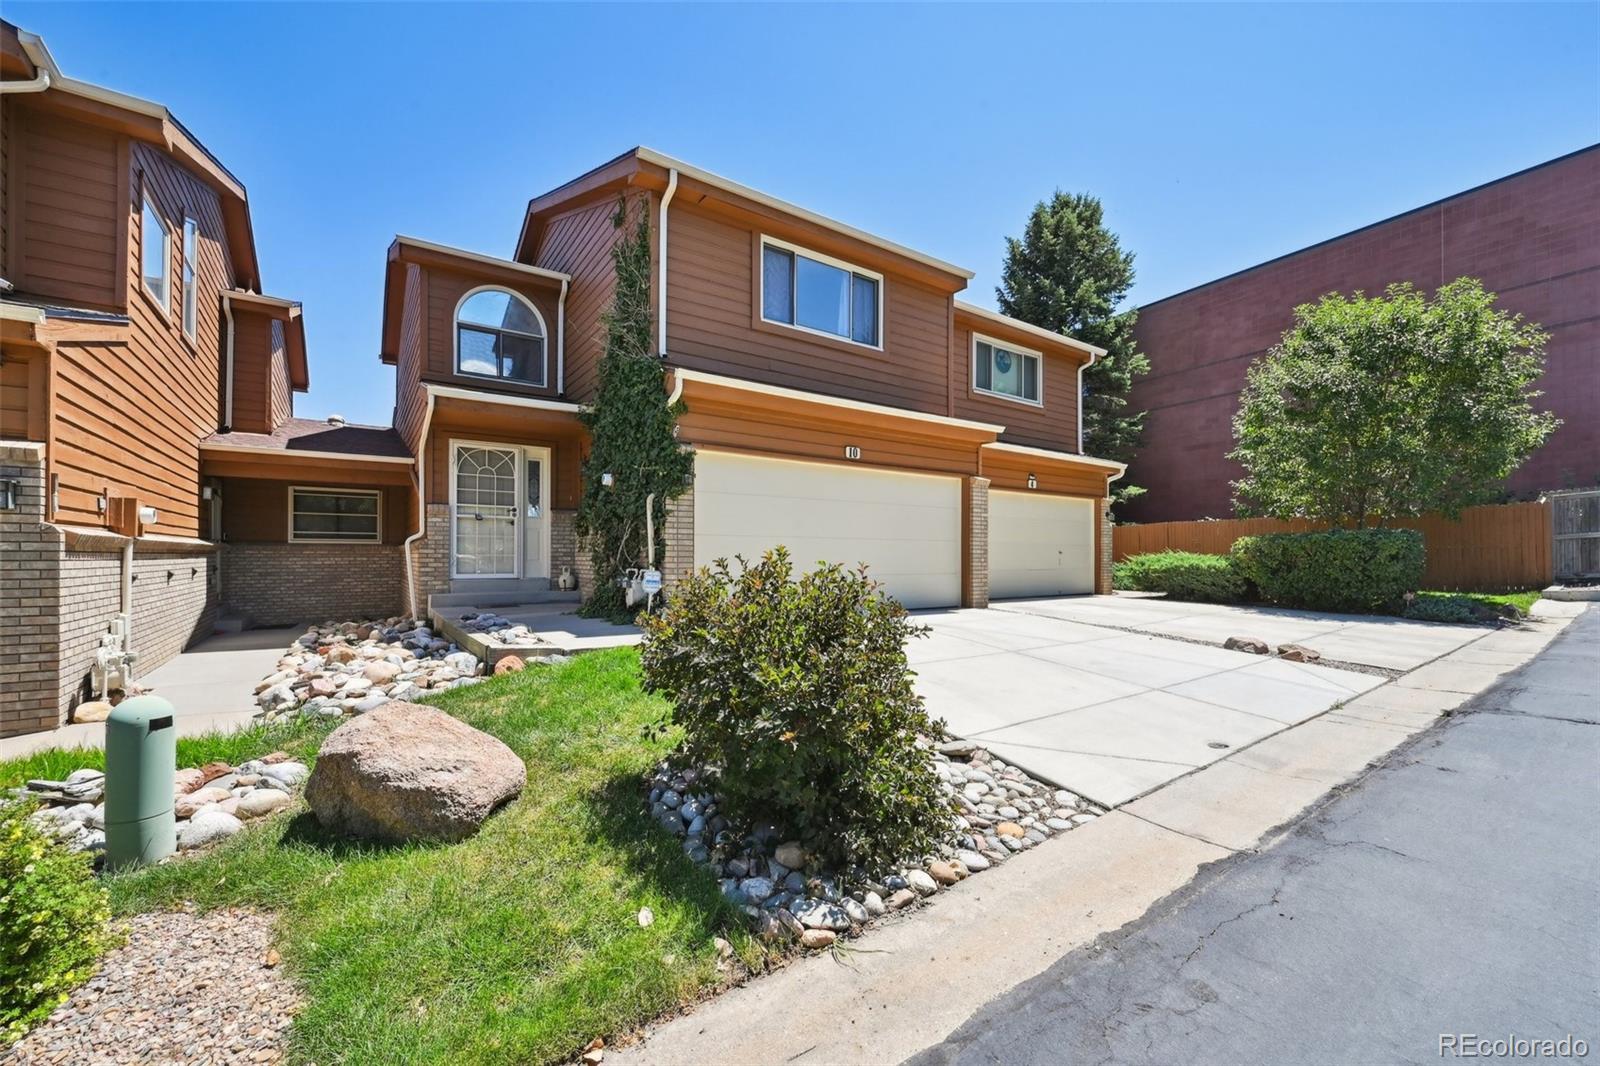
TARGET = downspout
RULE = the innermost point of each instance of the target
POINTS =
(561, 340)
(1081, 368)
(661, 303)
(127, 598)
(227, 410)
(36, 84)
(422, 504)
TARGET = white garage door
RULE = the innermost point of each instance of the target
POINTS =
(1040, 545)
(905, 527)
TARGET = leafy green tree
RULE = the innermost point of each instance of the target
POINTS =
(1373, 408)
(631, 428)
(1068, 274)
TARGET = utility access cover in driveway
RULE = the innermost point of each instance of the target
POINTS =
(1108, 714)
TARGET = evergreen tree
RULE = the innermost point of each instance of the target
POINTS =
(1068, 274)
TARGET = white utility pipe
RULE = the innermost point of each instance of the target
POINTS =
(127, 603)
(661, 304)
(36, 84)
(1081, 368)
(422, 505)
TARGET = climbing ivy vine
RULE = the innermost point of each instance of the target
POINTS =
(631, 427)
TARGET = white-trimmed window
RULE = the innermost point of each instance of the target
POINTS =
(342, 515)
(820, 294)
(1006, 371)
(191, 240)
(500, 334)
(155, 255)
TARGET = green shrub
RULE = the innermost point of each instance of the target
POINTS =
(797, 694)
(1183, 576)
(1451, 607)
(1334, 570)
(53, 916)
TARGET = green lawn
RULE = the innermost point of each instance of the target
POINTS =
(1521, 599)
(519, 945)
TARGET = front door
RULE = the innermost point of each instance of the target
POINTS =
(499, 511)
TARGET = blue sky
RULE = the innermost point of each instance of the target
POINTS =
(1218, 136)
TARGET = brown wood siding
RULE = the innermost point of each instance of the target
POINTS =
(1054, 425)
(800, 437)
(409, 400)
(252, 372)
(17, 378)
(129, 417)
(565, 454)
(6, 249)
(441, 294)
(1054, 478)
(257, 511)
(65, 188)
(282, 391)
(579, 244)
(712, 325)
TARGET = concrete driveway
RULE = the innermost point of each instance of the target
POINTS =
(1113, 714)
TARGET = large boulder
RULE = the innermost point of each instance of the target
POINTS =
(407, 772)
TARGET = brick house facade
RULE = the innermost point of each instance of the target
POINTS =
(1532, 237)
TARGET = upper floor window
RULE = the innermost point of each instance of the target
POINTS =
(499, 334)
(155, 255)
(823, 295)
(1004, 371)
(191, 235)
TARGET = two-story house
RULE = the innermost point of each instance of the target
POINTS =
(839, 399)
(133, 338)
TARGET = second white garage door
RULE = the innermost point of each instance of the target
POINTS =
(1040, 545)
(905, 527)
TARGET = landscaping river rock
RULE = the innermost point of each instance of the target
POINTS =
(406, 772)
(339, 669)
(997, 811)
(210, 802)
(189, 988)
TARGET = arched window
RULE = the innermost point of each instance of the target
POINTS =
(499, 334)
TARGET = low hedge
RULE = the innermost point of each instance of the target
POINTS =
(1334, 570)
(1183, 576)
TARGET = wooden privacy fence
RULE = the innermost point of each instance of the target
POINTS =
(1504, 545)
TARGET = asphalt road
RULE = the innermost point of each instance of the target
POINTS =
(1453, 890)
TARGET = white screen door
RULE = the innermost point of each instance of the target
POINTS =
(485, 512)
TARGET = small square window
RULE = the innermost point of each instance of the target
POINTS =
(1005, 372)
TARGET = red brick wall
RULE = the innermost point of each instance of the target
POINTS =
(1533, 238)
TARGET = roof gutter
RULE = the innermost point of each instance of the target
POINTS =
(422, 506)
(37, 84)
(661, 303)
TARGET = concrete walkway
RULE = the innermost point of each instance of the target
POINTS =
(1455, 890)
(916, 980)
(1370, 640)
(211, 687)
(1109, 714)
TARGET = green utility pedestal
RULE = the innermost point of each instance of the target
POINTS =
(141, 763)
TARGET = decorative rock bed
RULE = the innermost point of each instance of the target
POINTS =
(339, 669)
(211, 802)
(1002, 811)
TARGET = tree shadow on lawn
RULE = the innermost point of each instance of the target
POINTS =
(617, 807)
(305, 831)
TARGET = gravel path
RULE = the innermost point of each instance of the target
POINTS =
(186, 988)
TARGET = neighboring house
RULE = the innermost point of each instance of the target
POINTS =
(132, 333)
(1532, 237)
(153, 477)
